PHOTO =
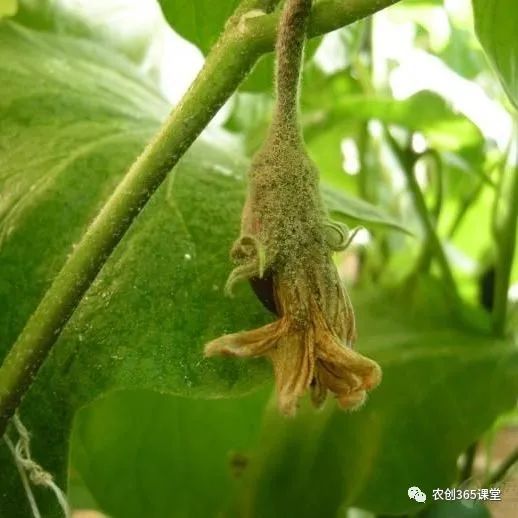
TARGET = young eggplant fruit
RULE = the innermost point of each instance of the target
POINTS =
(286, 244)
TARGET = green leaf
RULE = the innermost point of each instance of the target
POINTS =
(347, 207)
(198, 21)
(496, 24)
(121, 26)
(442, 388)
(260, 78)
(74, 117)
(147, 454)
(250, 118)
(105, 134)
(425, 112)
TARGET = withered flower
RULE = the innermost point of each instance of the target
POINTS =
(310, 345)
(287, 237)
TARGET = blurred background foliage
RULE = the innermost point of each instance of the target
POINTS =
(412, 131)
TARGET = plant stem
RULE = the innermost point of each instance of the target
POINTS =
(424, 261)
(231, 58)
(505, 217)
(407, 161)
(326, 16)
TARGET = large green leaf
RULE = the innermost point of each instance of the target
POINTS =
(147, 454)
(442, 387)
(496, 24)
(74, 116)
(126, 28)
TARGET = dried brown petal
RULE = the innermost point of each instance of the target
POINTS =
(305, 345)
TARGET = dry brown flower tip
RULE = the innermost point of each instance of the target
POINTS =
(309, 346)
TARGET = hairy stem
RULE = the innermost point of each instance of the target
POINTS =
(228, 62)
(289, 50)
(425, 258)
(326, 16)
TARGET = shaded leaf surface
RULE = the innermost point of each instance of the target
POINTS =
(156, 455)
(88, 113)
(442, 387)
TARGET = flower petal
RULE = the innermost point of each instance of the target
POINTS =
(330, 351)
(347, 386)
(247, 343)
(293, 364)
(318, 390)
